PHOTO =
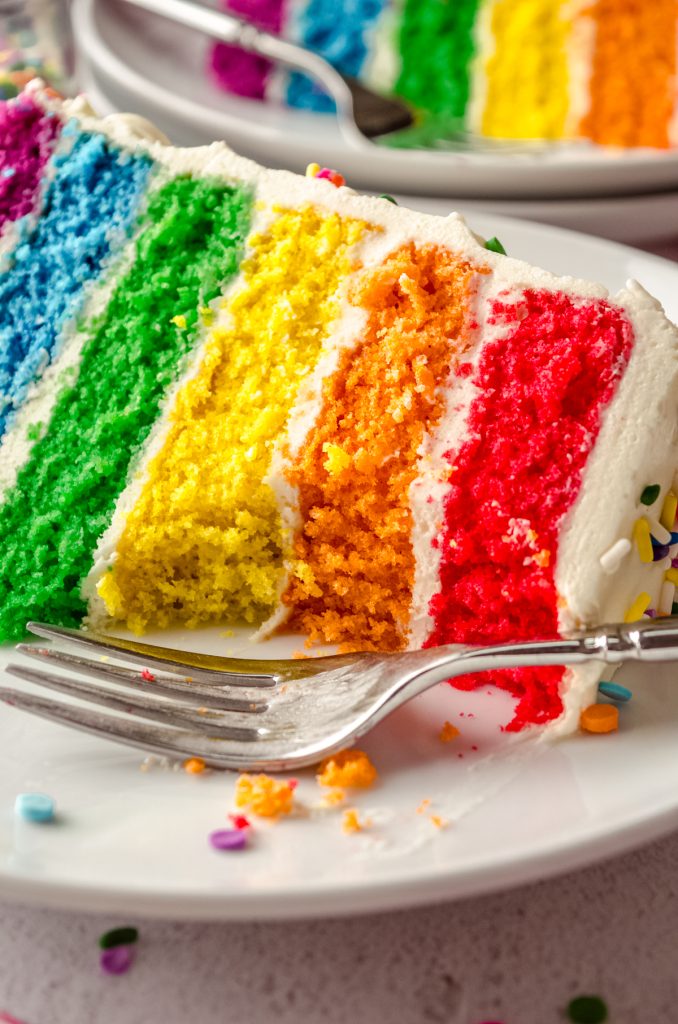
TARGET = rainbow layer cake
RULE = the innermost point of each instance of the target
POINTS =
(234, 395)
(554, 69)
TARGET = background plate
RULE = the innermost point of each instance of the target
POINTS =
(136, 842)
(157, 69)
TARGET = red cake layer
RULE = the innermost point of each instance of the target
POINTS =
(543, 387)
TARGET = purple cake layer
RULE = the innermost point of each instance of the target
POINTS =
(27, 137)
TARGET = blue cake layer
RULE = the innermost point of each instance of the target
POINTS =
(93, 198)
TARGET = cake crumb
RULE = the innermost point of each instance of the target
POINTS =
(350, 768)
(423, 806)
(333, 798)
(351, 822)
(438, 821)
(265, 797)
(448, 733)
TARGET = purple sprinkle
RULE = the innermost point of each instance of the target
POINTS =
(229, 839)
(116, 960)
(660, 552)
(651, 613)
(674, 563)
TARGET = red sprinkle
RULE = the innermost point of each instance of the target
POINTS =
(239, 821)
(148, 676)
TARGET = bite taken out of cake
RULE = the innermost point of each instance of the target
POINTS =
(233, 394)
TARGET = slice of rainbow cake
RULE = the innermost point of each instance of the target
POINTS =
(232, 394)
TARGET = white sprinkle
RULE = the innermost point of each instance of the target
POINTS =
(613, 557)
(664, 564)
(666, 597)
(658, 531)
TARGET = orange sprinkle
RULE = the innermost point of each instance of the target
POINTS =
(354, 562)
(423, 806)
(265, 797)
(194, 765)
(439, 822)
(351, 768)
(599, 718)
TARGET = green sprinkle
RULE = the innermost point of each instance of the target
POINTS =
(650, 494)
(587, 1010)
(388, 198)
(494, 245)
(118, 937)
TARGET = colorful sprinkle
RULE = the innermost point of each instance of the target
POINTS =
(641, 536)
(239, 821)
(599, 718)
(194, 765)
(614, 691)
(640, 605)
(37, 807)
(228, 839)
(147, 676)
(327, 173)
(119, 937)
(448, 733)
(312, 170)
(669, 508)
(388, 198)
(116, 960)
(266, 797)
(351, 768)
(611, 559)
(494, 245)
(660, 552)
(650, 494)
(587, 1010)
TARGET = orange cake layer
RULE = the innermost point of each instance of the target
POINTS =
(353, 580)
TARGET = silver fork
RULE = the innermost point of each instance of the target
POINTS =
(256, 715)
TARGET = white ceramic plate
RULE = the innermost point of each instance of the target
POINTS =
(157, 69)
(135, 842)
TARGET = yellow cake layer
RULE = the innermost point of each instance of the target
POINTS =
(203, 541)
(527, 75)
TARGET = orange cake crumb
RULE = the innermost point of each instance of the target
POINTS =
(265, 797)
(599, 718)
(633, 73)
(353, 566)
(448, 733)
(194, 765)
(333, 798)
(423, 806)
(350, 768)
(352, 823)
(438, 821)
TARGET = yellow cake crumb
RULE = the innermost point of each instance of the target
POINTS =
(352, 823)
(264, 796)
(333, 798)
(336, 459)
(180, 321)
(448, 733)
(350, 768)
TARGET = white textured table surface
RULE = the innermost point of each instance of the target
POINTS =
(514, 958)
(517, 958)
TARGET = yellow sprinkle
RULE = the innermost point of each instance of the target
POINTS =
(672, 576)
(265, 797)
(180, 321)
(669, 509)
(352, 823)
(351, 768)
(194, 765)
(640, 605)
(312, 170)
(448, 733)
(641, 536)
(336, 459)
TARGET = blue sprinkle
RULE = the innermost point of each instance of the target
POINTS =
(674, 538)
(659, 552)
(615, 691)
(34, 807)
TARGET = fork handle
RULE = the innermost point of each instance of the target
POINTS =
(648, 640)
(228, 28)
